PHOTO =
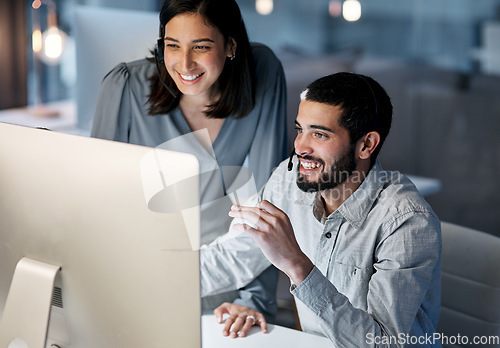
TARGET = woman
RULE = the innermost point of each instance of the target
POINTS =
(207, 81)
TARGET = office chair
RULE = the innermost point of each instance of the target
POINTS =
(470, 286)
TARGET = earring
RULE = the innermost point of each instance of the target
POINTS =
(233, 56)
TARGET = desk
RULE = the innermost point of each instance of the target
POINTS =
(64, 122)
(277, 336)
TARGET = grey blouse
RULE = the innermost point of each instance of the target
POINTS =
(257, 141)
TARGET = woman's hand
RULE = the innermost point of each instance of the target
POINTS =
(240, 320)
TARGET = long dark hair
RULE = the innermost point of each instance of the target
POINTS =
(236, 82)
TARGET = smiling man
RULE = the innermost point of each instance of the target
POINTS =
(360, 245)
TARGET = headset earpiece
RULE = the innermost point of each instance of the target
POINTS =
(290, 160)
(160, 45)
(160, 59)
(159, 50)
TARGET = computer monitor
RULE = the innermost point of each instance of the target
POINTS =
(74, 211)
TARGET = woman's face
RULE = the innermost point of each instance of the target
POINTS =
(195, 54)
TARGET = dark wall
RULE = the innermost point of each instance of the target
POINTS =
(13, 63)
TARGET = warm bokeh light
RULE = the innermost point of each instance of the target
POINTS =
(351, 10)
(37, 41)
(264, 7)
(53, 44)
(36, 4)
(335, 8)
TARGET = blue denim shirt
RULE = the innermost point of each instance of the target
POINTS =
(377, 274)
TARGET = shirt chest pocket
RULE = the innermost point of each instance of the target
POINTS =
(352, 281)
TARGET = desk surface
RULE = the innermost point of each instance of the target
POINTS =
(65, 120)
(277, 336)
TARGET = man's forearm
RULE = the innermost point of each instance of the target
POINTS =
(343, 324)
(230, 264)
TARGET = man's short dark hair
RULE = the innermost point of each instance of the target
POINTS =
(365, 105)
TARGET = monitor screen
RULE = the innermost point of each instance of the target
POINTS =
(119, 274)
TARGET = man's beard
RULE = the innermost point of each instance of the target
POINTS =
(339, 172)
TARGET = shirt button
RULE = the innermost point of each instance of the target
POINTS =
(328, 235)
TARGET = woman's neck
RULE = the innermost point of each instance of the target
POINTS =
(193, 109)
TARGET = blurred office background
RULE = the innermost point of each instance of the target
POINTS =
(438, 59)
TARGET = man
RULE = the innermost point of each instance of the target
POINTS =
(360, 245)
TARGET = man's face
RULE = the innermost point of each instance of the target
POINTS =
(326, 157)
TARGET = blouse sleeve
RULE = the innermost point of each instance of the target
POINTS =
(269, 146)
(112, 114)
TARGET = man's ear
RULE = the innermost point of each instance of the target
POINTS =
(367, 144)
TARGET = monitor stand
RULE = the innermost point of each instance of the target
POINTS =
(25, 318)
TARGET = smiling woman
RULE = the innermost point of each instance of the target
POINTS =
(205, 79)
(195, 55)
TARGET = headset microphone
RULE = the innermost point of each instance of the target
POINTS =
(159, 59)
(290, 163)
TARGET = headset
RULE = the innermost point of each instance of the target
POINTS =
(160, 59)
(375, 121)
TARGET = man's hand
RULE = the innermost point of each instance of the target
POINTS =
(272, 231)
(240, 320)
